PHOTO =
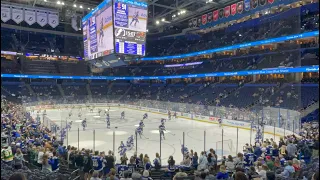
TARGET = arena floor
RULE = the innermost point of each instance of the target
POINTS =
(150, 143)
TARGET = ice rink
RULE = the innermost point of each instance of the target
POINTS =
(199, 136)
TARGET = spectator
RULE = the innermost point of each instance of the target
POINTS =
(291, 149)
(95, 176)
(18, 159)
(124, 159)
(271, 175)
(240, 176)
(288, 170)
(195, 160)
(157, 162)
(202, 161)
(145, 175)
(40, 156)
(55, 162)
(18, 176)
(315, 147)
(257, 151)
(263, 171)
(146, 162)
(269, 163)
(109, 163)
(315, 176)
(46, 163)
(6, 154)
(283, 151)
(296, 164)
(230, 164)
(186, 161)
(171, 165)
(239, 161)
(180, 174)
(136, 176)
(252, 172)
(79, 161)
(87, 164)
(222, 174)
(126, 176)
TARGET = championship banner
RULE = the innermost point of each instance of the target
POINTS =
(5, 13)
(199, 21)
(190, 23)
(209, 16)
(221, 13)
(240, 7)
(29, 16)
(254, 3)
(247, 4)
(42, 18)
(262, 2)
(215, 15)
(194, 22)
(270, 1)
(17, 14)
(233, 9)
(204, 19)
(227, 11)
(53, 19)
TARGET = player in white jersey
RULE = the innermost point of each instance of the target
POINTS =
(108, 121)
(162, 128)
(220, 122)
(122, 115)
(84, 124)
(163, 120)
(169, 115)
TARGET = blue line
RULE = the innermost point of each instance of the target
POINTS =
(233, 47)
(314, 68)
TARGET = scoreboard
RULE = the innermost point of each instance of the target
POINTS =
(130, 26)
(115, 27)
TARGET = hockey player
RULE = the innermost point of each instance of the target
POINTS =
(139, 131)
(135, 18)
(141, 124)
(220, 122)
(122, 115)
(122, 148)
(70, 114)
(175, 115)
(80, 115)
(69, 125)
(163, 120)
(184, 150)
(145, 116)
(130, 143)
(162, 128)
(108, 121)
(99, 111)
(91, 109)
(169, 115)
(84, 124)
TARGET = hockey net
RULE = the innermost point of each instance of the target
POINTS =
(225, 148)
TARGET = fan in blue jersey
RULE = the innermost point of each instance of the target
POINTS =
(163, 121)
(139, 131)
(184, 149)
(55, 162)
(97, 162)
(122, 115)
(269, 149)
(162, 128)
(84, 124)
(169, 115)
(145, 116)
(108, 121)
(135, 18)
(249, 159)
(130, 143)
(122, 148)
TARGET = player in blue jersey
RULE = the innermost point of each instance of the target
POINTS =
(108, 121)
(141, 124)
(130, 143)
(122, 115)
(135, 18)
(122, 148)
(163, 121)
(84, 124)
(162, 128)
(97, 162)
(145, 116)
(184, 149)
(249, 159)
(139, 131)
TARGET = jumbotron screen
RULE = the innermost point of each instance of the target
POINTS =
(130, 26)
(98, 31)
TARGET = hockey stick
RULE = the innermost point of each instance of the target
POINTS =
(172, 134)
(144, 136)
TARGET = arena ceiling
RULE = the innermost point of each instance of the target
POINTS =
(162, 13)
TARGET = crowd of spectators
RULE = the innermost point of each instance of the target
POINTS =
(31, 149)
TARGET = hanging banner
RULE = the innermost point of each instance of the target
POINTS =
(199, 21)
(29, 16)
(5, 13)
(209, 17)
(233, 9)
(74, 23)
(53, 19)
(221, 13)
(247, 4)
(42, 18)
(194, 22)
(204, 19)
(215, 15)
(262, 2)
(240, 7)
(254, 4)
(270, 1)
(227, 11)
(17, 14)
